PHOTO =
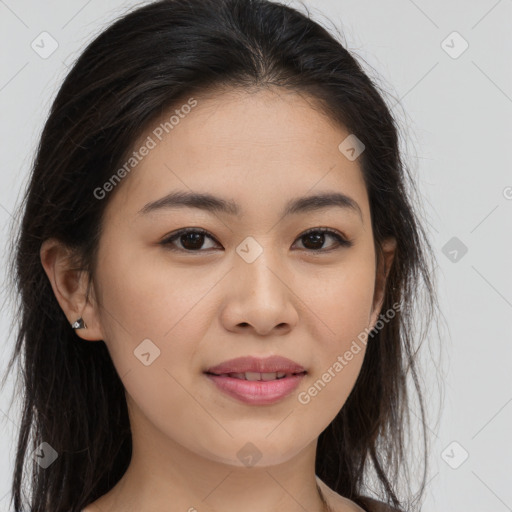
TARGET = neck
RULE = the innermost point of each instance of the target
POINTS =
(163, 473)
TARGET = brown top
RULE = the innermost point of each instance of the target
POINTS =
(369, 504)
(336, 501)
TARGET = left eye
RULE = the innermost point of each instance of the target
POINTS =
(317, 236)
(192, 239)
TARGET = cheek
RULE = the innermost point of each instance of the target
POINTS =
(342, 304)
(341, 298)
(340, 355)
(150, 317)
(141, 300)
(147, 294)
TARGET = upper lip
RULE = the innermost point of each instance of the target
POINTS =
(254, 364)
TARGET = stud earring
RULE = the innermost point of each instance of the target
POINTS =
(79, 324)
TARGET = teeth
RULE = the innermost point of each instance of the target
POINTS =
(253, 376)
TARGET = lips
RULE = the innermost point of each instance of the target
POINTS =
(257, 381)
(257, 392)
(253, 368)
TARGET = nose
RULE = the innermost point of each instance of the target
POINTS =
(259, 297)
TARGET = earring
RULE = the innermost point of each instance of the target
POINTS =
(79, 324)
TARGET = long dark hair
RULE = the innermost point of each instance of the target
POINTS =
(127, 77)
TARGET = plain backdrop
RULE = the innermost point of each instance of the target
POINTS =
(446, 66)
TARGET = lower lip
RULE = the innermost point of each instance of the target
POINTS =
(259, 392)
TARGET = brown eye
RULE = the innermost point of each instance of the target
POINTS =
(314, 239)
(191, 240)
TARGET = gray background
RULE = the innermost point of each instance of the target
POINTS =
(455, 112)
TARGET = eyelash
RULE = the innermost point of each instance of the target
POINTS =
(342, 242)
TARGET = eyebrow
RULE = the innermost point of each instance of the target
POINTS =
(211, 203)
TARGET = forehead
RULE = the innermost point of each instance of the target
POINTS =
(248, 146)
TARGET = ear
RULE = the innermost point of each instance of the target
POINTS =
(381, 275)
(70, 288)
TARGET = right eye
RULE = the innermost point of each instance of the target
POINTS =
(191, 240)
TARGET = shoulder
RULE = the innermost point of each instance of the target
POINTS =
(336, 502)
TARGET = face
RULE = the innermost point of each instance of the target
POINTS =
(251, 283)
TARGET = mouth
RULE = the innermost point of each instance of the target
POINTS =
(256, 376)
(255, 380)
(255, 388)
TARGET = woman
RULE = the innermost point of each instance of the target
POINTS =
(218, 263)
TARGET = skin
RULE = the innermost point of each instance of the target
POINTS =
(201, 308)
